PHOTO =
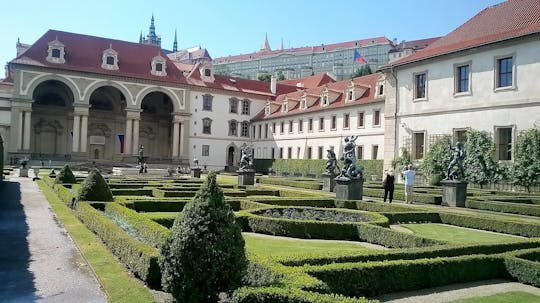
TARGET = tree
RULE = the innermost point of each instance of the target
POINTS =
(280, 76)
(95, 188)
(204, 253)
(65, 176)
(526, 170)
(402, 161)
(362, 71)
(437, 158)
(479, 165)
(265, 77)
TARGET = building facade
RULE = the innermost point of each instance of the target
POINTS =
(339, 59)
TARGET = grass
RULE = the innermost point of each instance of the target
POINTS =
(277, 247)
(460, 235)
(118, 284)
(507, 297)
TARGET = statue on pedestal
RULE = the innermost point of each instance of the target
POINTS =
(331, 162)
(245, 161)
(455, 168)
(350, 171)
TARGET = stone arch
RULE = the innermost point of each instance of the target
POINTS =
(34, 83)
(103, 83)
(231, 156)
(174, 99)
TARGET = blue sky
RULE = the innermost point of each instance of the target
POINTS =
(236, 26)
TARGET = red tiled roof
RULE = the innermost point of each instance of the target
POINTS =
(309, 82)
(507, 20)
(84, 53)
(341, 86)
(316, 49)
(415, 44)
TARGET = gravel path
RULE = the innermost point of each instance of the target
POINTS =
(39, 262)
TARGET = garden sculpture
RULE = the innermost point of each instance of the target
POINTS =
(245, 161)
(350, 171)
(455, 168)
(331, 163)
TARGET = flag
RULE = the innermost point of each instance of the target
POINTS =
(121, 139)
(358, 57)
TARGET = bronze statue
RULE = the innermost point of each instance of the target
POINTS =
(245, 161)
(455, 168)
(331, 163)
(350, 171)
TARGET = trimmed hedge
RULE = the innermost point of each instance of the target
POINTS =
(412, 217)
(132, 192)
(289, 295)
(65, 176)
(139, 257)
(369, 279)
(163, 193)
(375, 206)
(262, 166)
(168, 206)
(317, 166)
(505, 207)
(288, 182)
(426, 198)
(485, 223)
(313, 202)
(146, 230)
(524, 266)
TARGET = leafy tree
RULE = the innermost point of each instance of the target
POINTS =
(280, 76)
(65, 176)
(265, 77)
(479, 165)
(437, 159)
(526, 170)
(362, 71)
(204, 253)
(95, 188)
(402, 161)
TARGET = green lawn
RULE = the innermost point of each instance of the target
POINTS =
(507, 297)
(456, 234)
(270, 246)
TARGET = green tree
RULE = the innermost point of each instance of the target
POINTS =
(65, 176)
(437, 158)
(362, 71)
(280, 76)
(402, 161)
(479, 165)
(526, 170)
(204, 253)
(265, 77)
(95, 188)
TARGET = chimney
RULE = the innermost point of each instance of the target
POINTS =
(273, 84)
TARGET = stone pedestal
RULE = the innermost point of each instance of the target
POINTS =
(328, 182)
(23, 172)
(246, 177)
(349, 189)
(196, 172)
(454, 193)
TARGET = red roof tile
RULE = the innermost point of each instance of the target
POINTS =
(507, 20)
(309, 82)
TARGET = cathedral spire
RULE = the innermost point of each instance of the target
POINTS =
(152, 30)
(140, 38)
(175, 43)
(151, 38)
(281, 43)
(266, 45)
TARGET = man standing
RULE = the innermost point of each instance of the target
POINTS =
(408, 175)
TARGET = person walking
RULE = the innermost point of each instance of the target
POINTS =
(409, 175)
(388, 185)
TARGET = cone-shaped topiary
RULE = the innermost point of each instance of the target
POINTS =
(65, 176)
(204, 253)
(95, 188)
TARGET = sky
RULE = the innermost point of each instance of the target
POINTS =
(235, 26)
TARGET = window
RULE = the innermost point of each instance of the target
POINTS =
(273, 153)
(300, 125)
(245, 129)
(290, 126)
(504, 143)
(460, 135)
(333, 122)
(350, 95)
(266, 130)
(281, 152)
(233, 105)
(420, 86)
(376, 118)
(309, 152)
(310, 124)
(381, 90)
(346, 121)
(321, 123)
(207, 72)
(360, 152)
(374, 152)
(325, 100)
(207, 126)
(361, 122)
(232, 128)
(245, 107)
(282, 129)
(418, 145)
(273, 127)
(462, 78)
(207, 102)
(289, 152)
(504, 72)
(320, 153)
(55, 53)
(260, 130)
(110, 60)
(298, 153)
(159, 67)
(206, 150)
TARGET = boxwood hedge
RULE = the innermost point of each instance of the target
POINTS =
(524, 265)
(505, 207)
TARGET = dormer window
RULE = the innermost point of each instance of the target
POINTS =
(285, 107)
(325, 100)
(110, 59)
(350, 95)
(303, 103)
(159, 67)
(56, 52)
(207, 72)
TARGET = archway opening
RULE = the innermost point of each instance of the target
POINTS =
(155, 129)
(230, 157)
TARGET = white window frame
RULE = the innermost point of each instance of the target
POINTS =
(415, 93)
(457, 79)
(496, 59)
(512, 144)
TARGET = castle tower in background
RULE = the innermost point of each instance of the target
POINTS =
(151, 38)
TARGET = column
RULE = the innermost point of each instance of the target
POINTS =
(182, 127)
(76, 132)
(135, 148)
(176, 126)
(27, 125)
(20, 131)
(127, 147)
(84, 133)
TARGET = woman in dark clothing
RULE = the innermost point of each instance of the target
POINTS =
(388, 185)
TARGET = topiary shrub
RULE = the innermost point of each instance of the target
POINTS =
(65, 176)
(95, 188)
(204, 253)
